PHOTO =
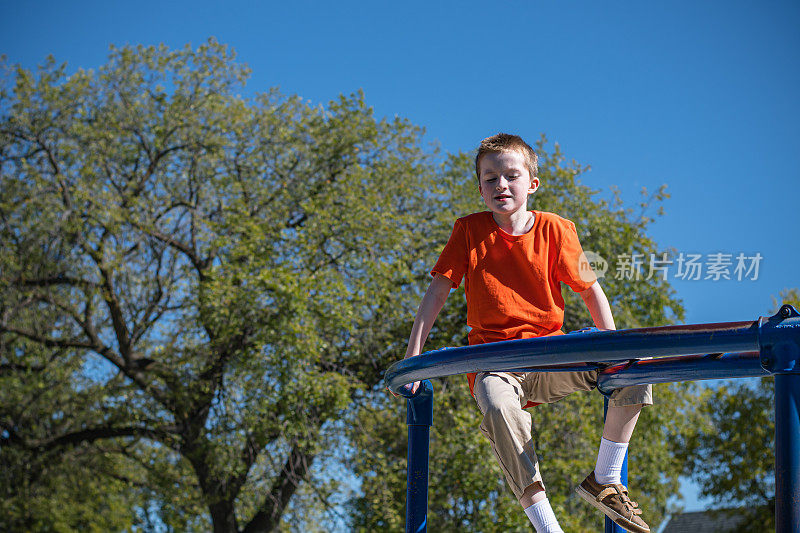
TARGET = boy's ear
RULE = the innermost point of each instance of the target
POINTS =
(534, 185)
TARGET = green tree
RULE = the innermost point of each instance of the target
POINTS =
(199, 293)
(732, 458)
(194, 288)
(468, 492)
(35, 391)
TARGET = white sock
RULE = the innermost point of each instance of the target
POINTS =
(542, 517)
(609, 461)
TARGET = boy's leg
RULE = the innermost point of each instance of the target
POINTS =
(500, 396)
(620, 422)
(542, 517)
(533, 493)
(624, 407)
(617, 432)
(602, 488)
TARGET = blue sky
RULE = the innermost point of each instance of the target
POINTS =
(699, 95)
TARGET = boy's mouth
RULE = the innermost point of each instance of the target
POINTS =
(503, 197)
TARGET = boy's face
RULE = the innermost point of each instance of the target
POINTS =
(505, 182)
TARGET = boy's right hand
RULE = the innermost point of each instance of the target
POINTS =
(412, 387)
(409, 387)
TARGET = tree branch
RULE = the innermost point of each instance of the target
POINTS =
(163, 434)
(294, 471)
(60, 279)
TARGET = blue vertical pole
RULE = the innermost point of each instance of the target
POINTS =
(779, 341)
(419, 420)
(610, 525)
(787, 453)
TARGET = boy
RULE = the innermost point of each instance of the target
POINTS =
(513, 261)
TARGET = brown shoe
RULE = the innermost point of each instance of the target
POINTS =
(613, 500)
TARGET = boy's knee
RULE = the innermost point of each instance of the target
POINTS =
(635, 395)
(494, 407)
(505, 418)
(497, 400)
(493, 410)
(492, 390)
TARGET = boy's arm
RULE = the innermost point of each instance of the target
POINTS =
(597, 304)
(429, 308)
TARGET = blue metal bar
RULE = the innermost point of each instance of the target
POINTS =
(610, 525)
(682, 368)
(730, 346)
(603, 346)
(419, 418)
(787, 453)
(779, 336)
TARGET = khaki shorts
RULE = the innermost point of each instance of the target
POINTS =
(500, 397)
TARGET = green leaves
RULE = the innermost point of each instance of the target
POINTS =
(199, 293)
(224, 275)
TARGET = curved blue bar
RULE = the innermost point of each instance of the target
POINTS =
(683, 368)
(649, 355)
(597, 347)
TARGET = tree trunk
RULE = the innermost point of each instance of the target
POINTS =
(223, 517)
(294, 471)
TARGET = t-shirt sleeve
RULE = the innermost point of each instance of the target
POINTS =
(452, 262)
(572, 266)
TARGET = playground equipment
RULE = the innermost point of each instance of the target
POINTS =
(769, 345)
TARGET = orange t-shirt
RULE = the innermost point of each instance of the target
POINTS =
(513, 282)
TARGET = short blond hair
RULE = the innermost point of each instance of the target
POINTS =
(505, 142)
